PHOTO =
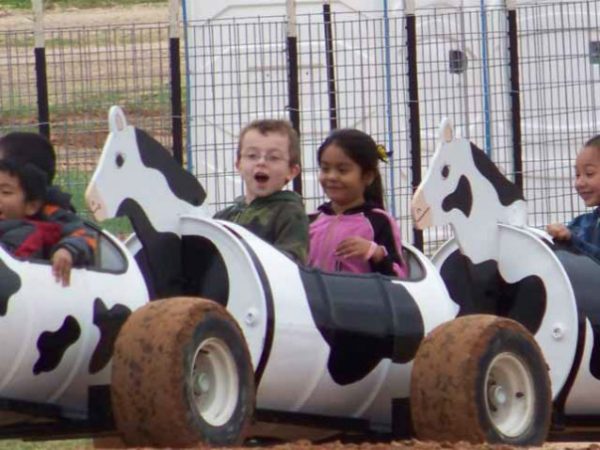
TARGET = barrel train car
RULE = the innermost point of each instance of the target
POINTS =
(199, 332)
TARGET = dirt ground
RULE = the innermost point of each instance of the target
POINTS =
(11, 19)
(417, 445)
(393, 445)
(152, 13)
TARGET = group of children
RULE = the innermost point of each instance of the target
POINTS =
(351, 232)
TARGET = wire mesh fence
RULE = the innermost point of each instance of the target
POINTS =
(464, 66)
(463, 75)
(353, 71)
(88, 70)
(18, 93)
(561, 101)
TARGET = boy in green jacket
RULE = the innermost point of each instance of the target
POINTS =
(268, 158)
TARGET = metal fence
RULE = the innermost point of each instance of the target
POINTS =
(85, 72)
(522, 84)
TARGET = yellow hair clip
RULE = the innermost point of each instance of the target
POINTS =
(382, 153)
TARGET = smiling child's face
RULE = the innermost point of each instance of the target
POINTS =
(342, 179)
(264, 163)
(13, 204)
(587, 175)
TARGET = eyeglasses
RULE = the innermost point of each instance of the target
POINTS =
(269, 158)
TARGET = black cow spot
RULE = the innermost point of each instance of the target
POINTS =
(480, 289)
(363, 319)
(182, 183)
(109, 322)
(461, 198)
(160, 257)
(204, 270)
(595, 356)
(52, 345)
(10, 282)
(508, 192)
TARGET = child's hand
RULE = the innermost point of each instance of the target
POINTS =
(358, 247)
(559, 231)
(62, 261)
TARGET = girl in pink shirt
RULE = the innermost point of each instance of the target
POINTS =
(352, 232)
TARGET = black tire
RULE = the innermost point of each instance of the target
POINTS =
(481, 378)
(182, 376)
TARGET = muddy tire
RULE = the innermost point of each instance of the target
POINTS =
(481, 378)
(182, 376)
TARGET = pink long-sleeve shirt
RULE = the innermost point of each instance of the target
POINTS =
(366, 221)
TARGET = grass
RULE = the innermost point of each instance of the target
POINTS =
(157, 99)
(75, 182)
(71, 444)
(26, 4)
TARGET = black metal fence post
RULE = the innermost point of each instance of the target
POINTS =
(293, 83)
(40, 69)
(413, 105)
(515, 95)
(175, 62)
(331, 92)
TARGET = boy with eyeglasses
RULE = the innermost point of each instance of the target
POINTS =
(268, 158)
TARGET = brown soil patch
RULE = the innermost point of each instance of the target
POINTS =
(395, 445)
(11, 20)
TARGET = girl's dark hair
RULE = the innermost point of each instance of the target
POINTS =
(32, 179)
(30, 148)
(362, 149)
(593, 142)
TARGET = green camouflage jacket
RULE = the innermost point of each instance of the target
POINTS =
(279, 219)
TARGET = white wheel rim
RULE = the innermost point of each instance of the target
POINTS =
(509, 395)
(215, 382)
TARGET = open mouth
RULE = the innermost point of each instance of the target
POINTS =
(261, 177)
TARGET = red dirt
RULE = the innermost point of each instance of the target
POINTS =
(395, 445)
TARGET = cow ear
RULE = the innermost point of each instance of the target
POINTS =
(116, 119)
(446, 131)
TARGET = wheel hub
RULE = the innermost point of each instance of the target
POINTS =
(509, 395)
(202, 383)
(215, 382)
(497, 395)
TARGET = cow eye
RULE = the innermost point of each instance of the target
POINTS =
(120, 160)
(445, 171)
